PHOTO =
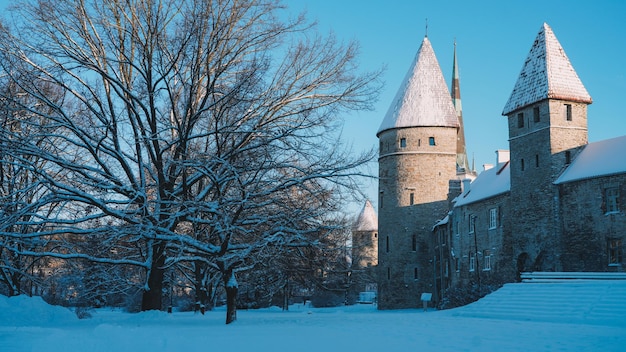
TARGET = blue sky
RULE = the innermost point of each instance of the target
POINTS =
(493, 39)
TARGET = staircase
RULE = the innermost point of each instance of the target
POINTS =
(553, 297)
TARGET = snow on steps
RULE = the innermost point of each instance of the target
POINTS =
(597, 300)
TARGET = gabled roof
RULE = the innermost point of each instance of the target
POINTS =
(368, 220)
(489, 183)
(423, 98)
(547, 74)
(597, 159)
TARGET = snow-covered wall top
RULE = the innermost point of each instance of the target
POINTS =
(489, 183)
(547, 73)
(601, 158)
(367, 221)
(423, 98)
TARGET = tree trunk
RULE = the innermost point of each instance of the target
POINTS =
(230, 283)
(152, 298)
(202, 297)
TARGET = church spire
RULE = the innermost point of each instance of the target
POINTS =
(462, 163)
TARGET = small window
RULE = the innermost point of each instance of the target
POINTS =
(388, 273)
(472, 224)
(402, 142)
(457, 264)
(419, 142)
(415, 274)
(537, 160)
(486, 260)
(472, 262)
(520, 120)
(615, 252)
(387, 244)
(522, 164)
(412, 198)
(612, 200)
(568, 157)
(380, 201)
(536, 117)
(431, 140)
(568, 112)
(414, 243)
(493, 218)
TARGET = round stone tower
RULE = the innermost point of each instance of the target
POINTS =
(417, 159)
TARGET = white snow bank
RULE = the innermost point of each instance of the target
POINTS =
(521, 318)
(32, 311)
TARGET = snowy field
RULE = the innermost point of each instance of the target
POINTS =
(519, 317)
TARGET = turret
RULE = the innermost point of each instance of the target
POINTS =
(547, 119)
(417, 158)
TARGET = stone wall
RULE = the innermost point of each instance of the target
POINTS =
(538, 148)
(485, 240)
(414, 173)
(588, 226)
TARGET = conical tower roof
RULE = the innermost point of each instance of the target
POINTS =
(547, 74)
(368, 220)
(423, 98)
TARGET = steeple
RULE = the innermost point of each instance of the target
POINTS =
(423, 99)
(547, 74)
(462, 163)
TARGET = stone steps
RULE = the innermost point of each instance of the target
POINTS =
(580, 301)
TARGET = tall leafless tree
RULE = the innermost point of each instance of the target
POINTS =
(209, 115)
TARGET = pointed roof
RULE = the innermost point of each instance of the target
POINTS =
(423, 98)
(547, 74)
(368, 220)
(597, 159)
(461, 153)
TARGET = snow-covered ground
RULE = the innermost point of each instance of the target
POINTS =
(573, 316)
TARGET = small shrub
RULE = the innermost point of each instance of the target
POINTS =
(325, 299)
(82, 312)
(464, 295)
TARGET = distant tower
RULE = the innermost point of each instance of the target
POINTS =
(365, 238)
(547, 118)
(417, 158)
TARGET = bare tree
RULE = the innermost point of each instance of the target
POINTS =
(178, 115)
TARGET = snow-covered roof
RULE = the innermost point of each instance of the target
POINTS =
(601, 158)
(547, 73)
(442, 221)
(489, 183)
(368, 220)
(423, 98)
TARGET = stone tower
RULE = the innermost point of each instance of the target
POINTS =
(365, 251)
(365, 238)
(547, 119)
(417, 158)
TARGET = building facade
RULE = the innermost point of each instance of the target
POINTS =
(551, 202)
